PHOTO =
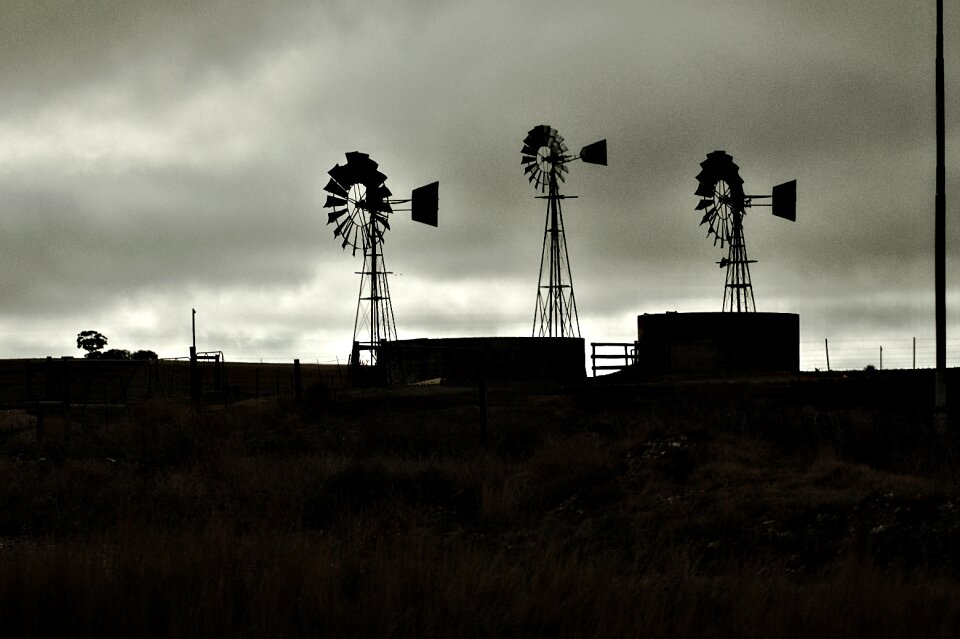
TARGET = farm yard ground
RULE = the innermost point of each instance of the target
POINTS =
(820, 505)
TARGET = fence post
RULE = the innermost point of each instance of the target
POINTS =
(296, 380)
(914, 353)
(826, 347)
(482, 400)
(194, 375)
(881, 358)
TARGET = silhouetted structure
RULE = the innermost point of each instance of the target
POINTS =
(361, 208)
(724, 205)
(718, 343)
(471, 359)
(940, 231)
(544, 157)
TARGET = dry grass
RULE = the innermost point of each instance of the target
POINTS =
(380, 514)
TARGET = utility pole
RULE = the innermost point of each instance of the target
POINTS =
(940, 273)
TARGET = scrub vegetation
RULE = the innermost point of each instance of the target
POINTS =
(825, 506)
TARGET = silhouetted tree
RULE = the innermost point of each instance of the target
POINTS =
(115, 353)
(144, 354)
(92, 342)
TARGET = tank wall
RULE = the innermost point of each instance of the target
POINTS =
(491, 358)
(718, 342)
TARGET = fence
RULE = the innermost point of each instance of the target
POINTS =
(886, 353)
(25, 382)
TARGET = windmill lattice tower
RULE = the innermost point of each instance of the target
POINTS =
(362, 208)
(544, 157)
(724, 205)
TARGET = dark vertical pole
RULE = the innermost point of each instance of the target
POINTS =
(217, 378)
(826, 348)
(65, 367)
(296, 380)
(194, 375)
(940, 230)
(50, 376)
(482, 400)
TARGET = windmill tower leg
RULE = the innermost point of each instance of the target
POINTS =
(738, 293)
(374, 319)
(556, 311)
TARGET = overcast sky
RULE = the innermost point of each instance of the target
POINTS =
(156, 157)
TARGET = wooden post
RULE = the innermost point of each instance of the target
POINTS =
(826, 347)
(881, 358)
(297, 379)
(65, 369)
(194, 375)
(217, 373)
(482, 401)
(50, 378)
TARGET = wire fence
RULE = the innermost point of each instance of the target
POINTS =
(880, 353)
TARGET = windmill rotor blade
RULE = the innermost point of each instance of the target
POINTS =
(356, 157)
(529, 148)
(333, 202)
(333, 187)
(704, 190)
(707, 175)
(343, 174)
(335, 215)
(527, 159)
(706, 218)
(343, 228)
(373, 179)
(703, 204)
(718, 156)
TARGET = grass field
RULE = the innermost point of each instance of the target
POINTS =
(823, 506)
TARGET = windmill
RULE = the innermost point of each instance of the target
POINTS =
(724, 204)
(544, 158)
(361, 208)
